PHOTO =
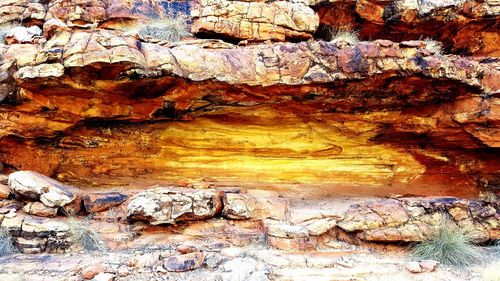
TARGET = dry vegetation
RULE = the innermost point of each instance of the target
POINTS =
(434, 46)
(171, 28)
(351, 37)
(85, 237)
(449, 246)
(6, 245)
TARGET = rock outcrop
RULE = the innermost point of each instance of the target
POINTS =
(169, 205)
(435, 106)
(256, 21)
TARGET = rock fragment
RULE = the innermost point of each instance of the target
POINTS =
(184, 262)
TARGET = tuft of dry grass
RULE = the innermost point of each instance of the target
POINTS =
(171, 28)
(488, 196)
(351, 37)
(6, 245)
(86, 238)
(449, 246)
(434, 46)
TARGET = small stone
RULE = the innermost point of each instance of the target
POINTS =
(231, 252)
(4, 179)
(4, 191)
(92, 270)
(413, 267)
(428, 265)
(39, 209)
(12, 213)
(104, 277)
(184, 262)
(123, 271)
(147, 260)
(186, 249)
(98, 202)
(213, 260)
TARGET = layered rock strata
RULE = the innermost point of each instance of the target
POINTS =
(352, 102)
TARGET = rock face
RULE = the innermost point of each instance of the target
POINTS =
(413, 220)
(436, 116)
(169, 205)
(467, 27)
(87, 101)
(256, 21)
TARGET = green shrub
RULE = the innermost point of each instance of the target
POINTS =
(86, 238)
(170, 29)
(449, 246)
(6, 245)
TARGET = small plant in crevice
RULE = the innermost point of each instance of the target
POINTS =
(4, 29)
(449, 246)
(85, 237)
(488, 196)
(351, 37)
(171, 29)
(6, 243)
(434, 46)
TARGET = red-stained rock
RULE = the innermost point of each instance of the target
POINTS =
(98, 202)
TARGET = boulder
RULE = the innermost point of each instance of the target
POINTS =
(98, 202)
(184, 262)
(165, 205)
(35, 186)
(245, 206)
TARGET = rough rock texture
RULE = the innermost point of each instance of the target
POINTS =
(32, 185)
(467, 27)
(415, 219)
(383, 113)
(244, 206)
(169, 205)
(256, 21)
(33, 235)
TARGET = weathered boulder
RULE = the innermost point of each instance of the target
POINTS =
(98, 202)
(35, 186)
(245, 206)
(257, 21)
(165, 205)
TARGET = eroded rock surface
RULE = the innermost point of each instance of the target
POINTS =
(165, 205)
(256, 21)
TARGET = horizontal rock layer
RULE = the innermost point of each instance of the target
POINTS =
(372, 115)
